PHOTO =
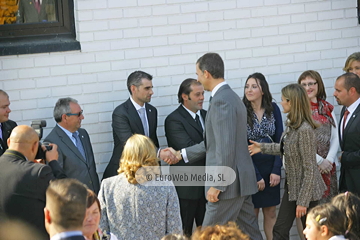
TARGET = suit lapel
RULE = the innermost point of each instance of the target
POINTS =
(6, 130)
(189, 119)
(134, 116)
(67, 141)
(151, 118)
(351, 120)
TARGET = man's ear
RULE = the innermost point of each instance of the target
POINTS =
(352, 91)
(35, 147)
(133, 88)
(184, 96)
(206, 74)
(8, 141)
(47, 215)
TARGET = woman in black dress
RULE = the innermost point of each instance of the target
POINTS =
(264, 124)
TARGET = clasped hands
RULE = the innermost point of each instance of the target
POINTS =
(170, 156)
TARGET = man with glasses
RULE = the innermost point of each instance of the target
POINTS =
(75, 151)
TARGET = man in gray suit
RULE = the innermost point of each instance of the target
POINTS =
(76, 155)
(225, 145)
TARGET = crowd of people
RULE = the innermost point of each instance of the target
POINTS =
(63, 198)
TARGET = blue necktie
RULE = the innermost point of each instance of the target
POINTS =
(143, 120)
(79, 144)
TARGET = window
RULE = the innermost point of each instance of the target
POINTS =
(358, 9)
(34, 26)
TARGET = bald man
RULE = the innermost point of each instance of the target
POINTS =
(23, 181)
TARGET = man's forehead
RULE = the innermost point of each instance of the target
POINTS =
(146, 82)
(4, 99)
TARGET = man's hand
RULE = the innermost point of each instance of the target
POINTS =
(254, 148)
(325, 166)
(300, 211)
(51, 154)
(170, 156)
(212, 194)
(274, 179)
(261, 184)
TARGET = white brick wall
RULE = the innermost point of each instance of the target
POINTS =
(280, 38)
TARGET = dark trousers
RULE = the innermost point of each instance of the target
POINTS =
(190, 210)
(287, 214)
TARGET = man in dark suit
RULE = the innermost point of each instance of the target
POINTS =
(65, 209)
(184, 128)
(23, 181)
(76, 155)
(347, 93)
(135, 115)
(225, 144)
(6, 125)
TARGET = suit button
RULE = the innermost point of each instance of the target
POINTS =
(288, 192)
(90, 182)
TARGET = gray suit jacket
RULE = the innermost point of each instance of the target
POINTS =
(226, 143)
(71, 160)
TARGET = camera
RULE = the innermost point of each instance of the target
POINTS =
(38, 126)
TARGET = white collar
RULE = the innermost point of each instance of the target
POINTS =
(136, 105)
(66, 235)
(70, 134)
(216, 88)
(353, 106)
(193, 115)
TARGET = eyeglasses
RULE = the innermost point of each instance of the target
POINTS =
(75, 114)
(310, 84)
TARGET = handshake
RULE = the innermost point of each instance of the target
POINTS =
(170, 156)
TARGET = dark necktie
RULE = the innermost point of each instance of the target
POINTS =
(79, 144)
(197, 120)
(346, 113)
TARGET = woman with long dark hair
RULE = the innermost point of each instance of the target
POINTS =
(264, 124)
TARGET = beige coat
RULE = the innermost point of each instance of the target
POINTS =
(304, 180)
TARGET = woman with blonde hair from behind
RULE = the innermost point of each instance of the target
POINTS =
(228, 231)
(132, 210)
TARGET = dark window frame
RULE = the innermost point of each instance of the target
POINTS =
(41, 37)
(358, 10)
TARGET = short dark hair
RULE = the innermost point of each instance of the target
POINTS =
(185, 87)
(213, 63)
(351, 80)
(62, 106)
(66, 200)
(135, 79)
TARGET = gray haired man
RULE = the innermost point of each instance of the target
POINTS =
(75, 151)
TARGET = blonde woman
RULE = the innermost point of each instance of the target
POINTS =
(303, 183)
(352, 64)
(138, 211)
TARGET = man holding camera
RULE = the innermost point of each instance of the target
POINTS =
(76, 155)
(6, 125)
(23, 181)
